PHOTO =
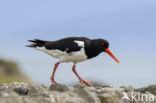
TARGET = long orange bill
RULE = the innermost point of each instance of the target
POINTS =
(111, 54)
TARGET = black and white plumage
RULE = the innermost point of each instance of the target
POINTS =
(72, 49)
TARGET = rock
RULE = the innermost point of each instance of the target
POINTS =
(129, 88)
(21, 91)
(86, 95)
(10, 97)
(35, 90)
(60, 88)
(13, 85)
(38, 99)
(67, 97)
(80, 85)
(31, 93)
(150, 88)
(109, 98)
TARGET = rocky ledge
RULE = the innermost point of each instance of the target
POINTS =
(31, 93)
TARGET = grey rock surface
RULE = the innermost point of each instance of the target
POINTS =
(31, 93)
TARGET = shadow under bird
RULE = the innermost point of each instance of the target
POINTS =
(72, 49)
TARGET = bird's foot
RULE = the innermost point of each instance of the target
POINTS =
(53, 82)
(85, 82)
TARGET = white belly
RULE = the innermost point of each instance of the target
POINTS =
(75, 56)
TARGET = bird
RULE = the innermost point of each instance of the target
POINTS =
(72, 49)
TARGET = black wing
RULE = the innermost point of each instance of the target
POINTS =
(66, 44)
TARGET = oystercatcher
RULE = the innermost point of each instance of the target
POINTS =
(72, 49)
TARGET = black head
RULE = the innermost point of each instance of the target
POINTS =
(101, 45)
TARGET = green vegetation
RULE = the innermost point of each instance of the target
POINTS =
(10, 72)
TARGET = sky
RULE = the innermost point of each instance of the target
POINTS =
(128, 25)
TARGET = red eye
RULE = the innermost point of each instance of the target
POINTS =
(102, 43)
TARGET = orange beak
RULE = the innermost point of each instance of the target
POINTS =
(111, 54)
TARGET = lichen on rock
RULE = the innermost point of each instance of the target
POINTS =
(20, 92)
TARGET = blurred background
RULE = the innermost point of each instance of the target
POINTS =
(128, 25)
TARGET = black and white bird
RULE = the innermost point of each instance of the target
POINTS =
(72, 49)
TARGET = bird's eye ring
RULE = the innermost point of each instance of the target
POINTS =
(102, 44)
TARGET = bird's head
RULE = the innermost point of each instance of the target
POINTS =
(103, 46)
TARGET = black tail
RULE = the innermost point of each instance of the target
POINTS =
(37, 43)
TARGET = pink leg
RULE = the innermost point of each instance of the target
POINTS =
(53, 74)
(81, 80)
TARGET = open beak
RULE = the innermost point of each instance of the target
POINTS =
(111, 54)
